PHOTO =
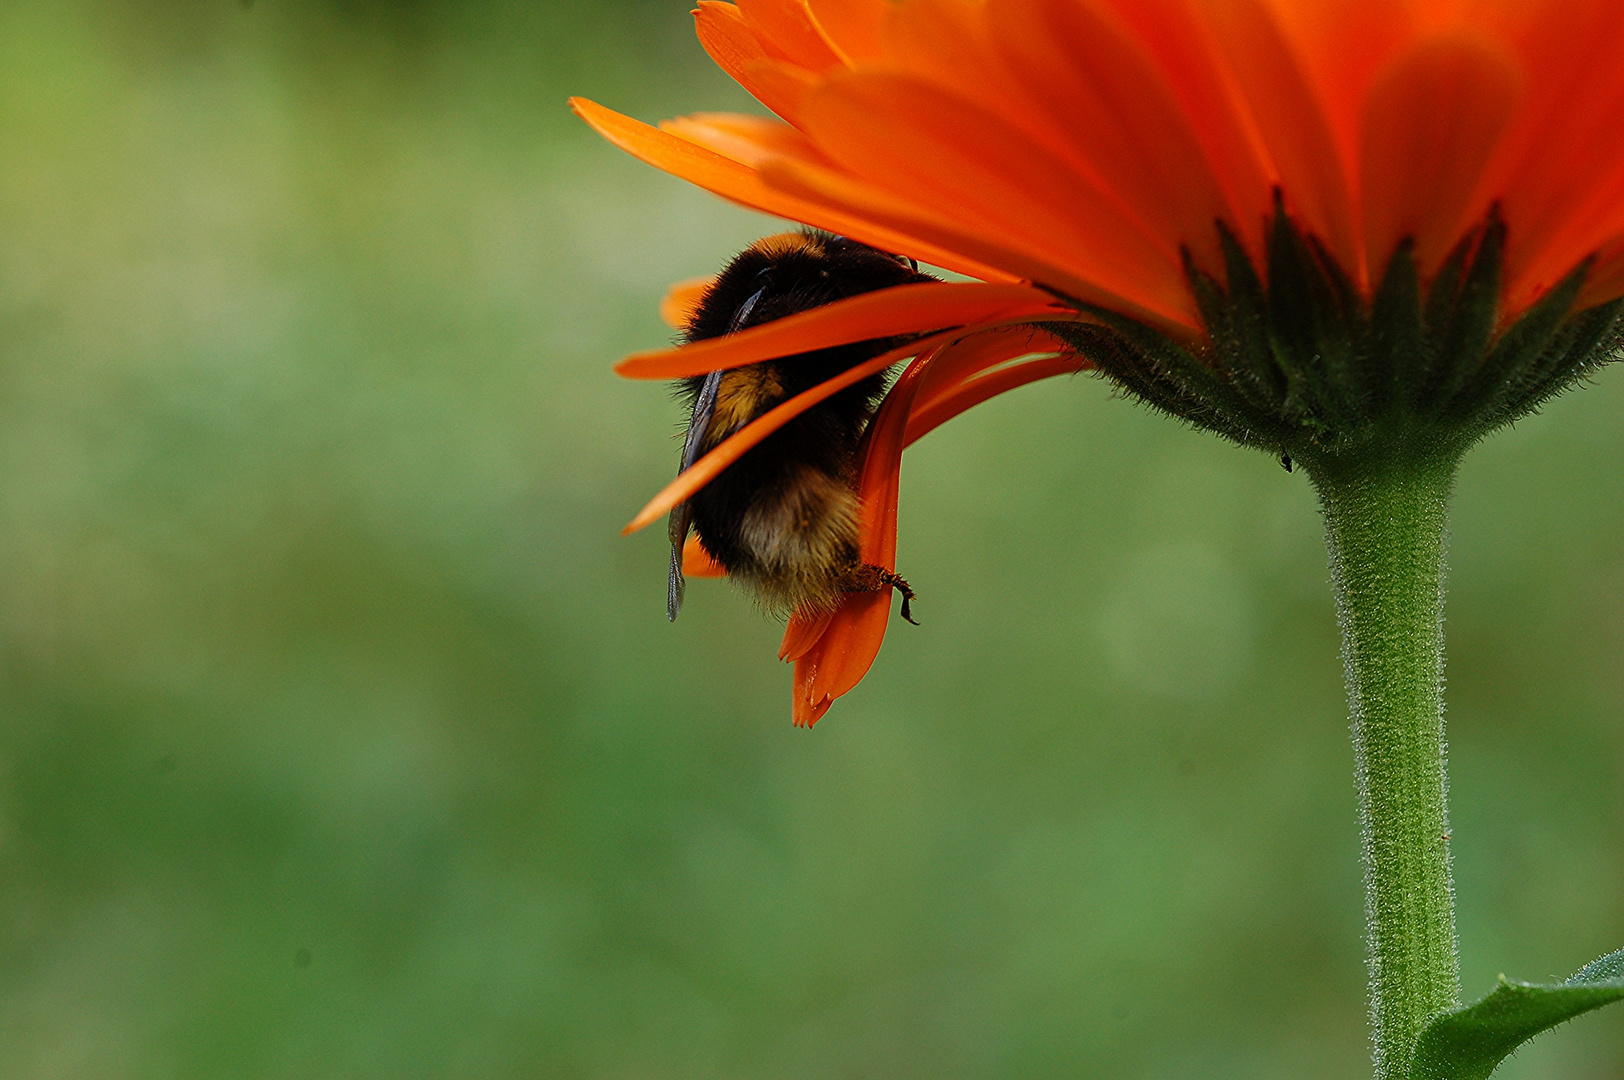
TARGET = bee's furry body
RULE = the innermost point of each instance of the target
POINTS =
(783, 519)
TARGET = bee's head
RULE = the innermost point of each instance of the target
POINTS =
(793, 272)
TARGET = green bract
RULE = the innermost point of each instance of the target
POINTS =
(1296, 362)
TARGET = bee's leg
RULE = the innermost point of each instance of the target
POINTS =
(897, 582)
(871, 578)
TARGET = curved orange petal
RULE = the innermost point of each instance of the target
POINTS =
(1432, 121)
(890, 211)
(903, 309)
(851, 27)
(842, 654)
(1606, 278)
(1561, 173)
(933, 147)
(803, 632)
(744, 185)
(786, 30)
(973, 356)
(928, 416)
(697, 562)
(1111, 109)
(1211, 100)
(1284, 106)
(947, 42)
(732, 448)
(730, 42)
(1342, 44)
(846, 649)
(749, 140)
(969, 356)
(682, 299)
(833, 651)
(803, 710)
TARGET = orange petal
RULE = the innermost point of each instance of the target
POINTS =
(879, 482)
(1290, 119)
(749, 140)
(851, 27)
(947, 42)
(846, 649)
(802, 633)
(803, 709)
(786, 30)
(927, 416)
(697, 562)
(930, 146)
(843, 653)
(1432, 120)
(832, 653)
(904, 309)
(890, 211)
(1109, 111)
(972, 356)
(1563, 173)
(969, 356)
(1606, 278)
(743, 185)
(733, 45)
(1212, 105)
(734, 446)
(682, 299)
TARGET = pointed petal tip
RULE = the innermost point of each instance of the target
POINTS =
(803, 634)
(808, 713)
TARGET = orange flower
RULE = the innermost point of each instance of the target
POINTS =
(1084, 144)
(1088, 147)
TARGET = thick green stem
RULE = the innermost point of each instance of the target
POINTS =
(1385, 524)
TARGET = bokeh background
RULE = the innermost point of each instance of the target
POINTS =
(341, 736)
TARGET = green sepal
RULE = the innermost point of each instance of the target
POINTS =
(1233, 327)
(1468, 1043)
(1398, 353)
(1523, 355)
(1461, 338)
(1158, 371)
(1248, 321)
(1311, 331)
(1298, 363)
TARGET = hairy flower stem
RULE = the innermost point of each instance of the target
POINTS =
(1385, 515)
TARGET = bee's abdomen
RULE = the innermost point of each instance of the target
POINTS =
(783, 518)
(797, 545)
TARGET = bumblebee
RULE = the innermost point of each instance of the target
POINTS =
(782, 520)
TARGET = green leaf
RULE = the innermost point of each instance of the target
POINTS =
(1468, 1043)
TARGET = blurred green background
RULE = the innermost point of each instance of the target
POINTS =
(342, 736)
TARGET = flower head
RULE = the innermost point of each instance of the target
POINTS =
(1305, 224)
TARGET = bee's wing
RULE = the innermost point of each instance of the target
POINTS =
(682, 513)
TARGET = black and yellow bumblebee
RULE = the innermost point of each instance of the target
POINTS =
(782, 520)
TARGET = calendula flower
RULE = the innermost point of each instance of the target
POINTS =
(1359, 234)
(1228, 206)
